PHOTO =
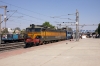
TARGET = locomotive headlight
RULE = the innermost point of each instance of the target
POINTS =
(42, 37)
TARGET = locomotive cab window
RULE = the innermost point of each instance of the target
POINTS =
(37, 29)
(29, 30)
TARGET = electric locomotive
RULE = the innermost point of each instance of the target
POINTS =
(38, 35)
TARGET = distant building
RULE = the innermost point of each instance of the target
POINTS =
(17, 31)
(10, 31)
(2, 29)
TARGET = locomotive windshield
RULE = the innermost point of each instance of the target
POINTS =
(37, 29)
(29, 30)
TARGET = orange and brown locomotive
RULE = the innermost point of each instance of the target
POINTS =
(38, 35)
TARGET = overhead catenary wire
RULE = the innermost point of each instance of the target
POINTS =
(25, 19)
(11, 15)
(30, 16)
(30, 11)
(24, 9)
(25, 15)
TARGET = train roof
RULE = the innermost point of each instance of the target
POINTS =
(33, 26)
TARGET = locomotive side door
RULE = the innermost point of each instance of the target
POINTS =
(43, 34)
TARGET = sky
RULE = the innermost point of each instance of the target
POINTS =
(22, 13)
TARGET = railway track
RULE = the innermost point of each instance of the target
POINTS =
(10, 46)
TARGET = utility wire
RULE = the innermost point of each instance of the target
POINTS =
(25, 19)
(30, 16)
(32, 12)
(27, 10)
(59, 16)
(24, 9)
(11, 15)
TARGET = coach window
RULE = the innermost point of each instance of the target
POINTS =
(9, 35)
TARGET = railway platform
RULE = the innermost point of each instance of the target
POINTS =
(85, 52)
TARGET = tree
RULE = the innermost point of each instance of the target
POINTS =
(47, 24)
(23, 31)
(98, 29)
(17, 28)
(70, 29)
(5, 31)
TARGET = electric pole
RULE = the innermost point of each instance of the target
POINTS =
(77, 25)
(0, 28)
(5, 11)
